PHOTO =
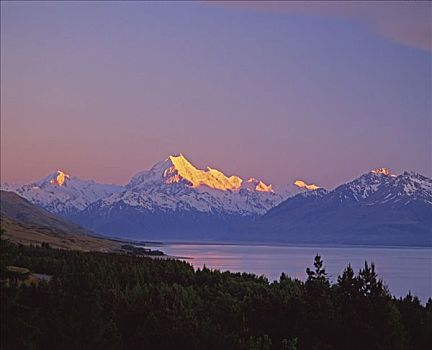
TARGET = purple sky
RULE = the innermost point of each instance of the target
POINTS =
(321, 91)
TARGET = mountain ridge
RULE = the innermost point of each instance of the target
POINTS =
(61, 193)
(376, 208)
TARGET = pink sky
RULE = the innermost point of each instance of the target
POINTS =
(106, 89)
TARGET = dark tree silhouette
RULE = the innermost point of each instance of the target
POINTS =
(119, 301)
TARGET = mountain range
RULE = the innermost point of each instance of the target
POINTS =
(62, 194)
(375, 209)
(174, 200)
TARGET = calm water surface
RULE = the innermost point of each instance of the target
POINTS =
(403, 269)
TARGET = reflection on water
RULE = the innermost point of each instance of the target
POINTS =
(403, 269)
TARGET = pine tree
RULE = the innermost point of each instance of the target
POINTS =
(320, 273)
(370, 284)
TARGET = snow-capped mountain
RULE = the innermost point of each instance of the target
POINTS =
(174, 196)
(380, 187)
(175, 184)
(376, 208)
(62, 194)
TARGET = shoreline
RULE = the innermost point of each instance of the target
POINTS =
(270, 244)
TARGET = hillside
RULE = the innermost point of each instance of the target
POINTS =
(26, 223)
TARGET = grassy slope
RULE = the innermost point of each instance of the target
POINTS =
(26, 223)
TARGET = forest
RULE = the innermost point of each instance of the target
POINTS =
(97, 300)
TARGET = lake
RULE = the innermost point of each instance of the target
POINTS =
(403, 269)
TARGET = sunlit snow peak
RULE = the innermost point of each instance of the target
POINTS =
(182, 169)
(302, 184)
(382, 171)
(60, 178)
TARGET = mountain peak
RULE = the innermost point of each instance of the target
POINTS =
(59, 178)
(262, 187)
(178, 169)
(382, 171)
(257, 185)
(302, 184)
(213, 178)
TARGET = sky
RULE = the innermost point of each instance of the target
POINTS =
(318, 91)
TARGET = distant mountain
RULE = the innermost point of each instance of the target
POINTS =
(176, 200)
(376, 208)
(26, 223)
(62, 194)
